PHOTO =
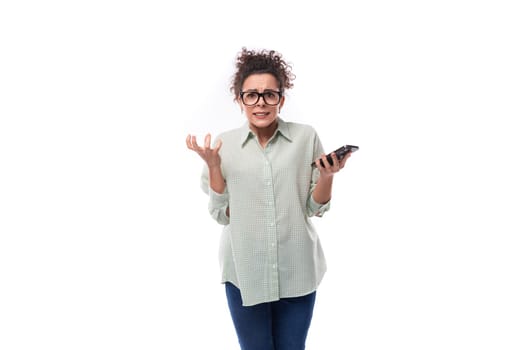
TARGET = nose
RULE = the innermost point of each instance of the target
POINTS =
(261, 101)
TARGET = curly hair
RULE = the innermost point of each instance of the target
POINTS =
(258, 62)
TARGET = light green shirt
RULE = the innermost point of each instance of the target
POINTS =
(269, 248)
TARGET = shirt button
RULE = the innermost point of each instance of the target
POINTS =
(274, 266)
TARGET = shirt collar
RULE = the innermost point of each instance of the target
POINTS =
(282, 129)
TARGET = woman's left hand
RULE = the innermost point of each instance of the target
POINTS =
(329, 170)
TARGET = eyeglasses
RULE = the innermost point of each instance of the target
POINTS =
(270, 97)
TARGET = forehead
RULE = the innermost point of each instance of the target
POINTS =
(260, 81)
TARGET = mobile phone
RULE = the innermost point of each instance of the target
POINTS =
(340, 153)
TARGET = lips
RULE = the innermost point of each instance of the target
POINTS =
(261, 114)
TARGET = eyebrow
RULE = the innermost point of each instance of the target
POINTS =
(265, 90)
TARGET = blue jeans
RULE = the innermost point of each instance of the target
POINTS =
(278, 325)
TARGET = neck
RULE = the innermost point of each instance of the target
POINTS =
(264, 134)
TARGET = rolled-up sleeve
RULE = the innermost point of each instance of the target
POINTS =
(217, 206)
(315, 208)
(218, 202)
(312, 207)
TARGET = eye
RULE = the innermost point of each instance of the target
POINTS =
(251, 95)
(270, 94)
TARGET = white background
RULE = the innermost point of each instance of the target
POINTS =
(105, 239)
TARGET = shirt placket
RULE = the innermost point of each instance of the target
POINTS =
(273, 264)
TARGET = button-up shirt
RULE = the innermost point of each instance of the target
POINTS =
(269, 248)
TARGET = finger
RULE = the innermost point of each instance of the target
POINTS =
(218, 146)
(189, 142)
(194, 143)
(343, 161)
(318, 163)
(335, 160)
(207, 141)
(325, 162)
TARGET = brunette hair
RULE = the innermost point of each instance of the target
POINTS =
(258, 62)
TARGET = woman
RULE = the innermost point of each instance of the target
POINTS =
(263, 188)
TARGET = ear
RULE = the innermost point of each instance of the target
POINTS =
(281, 103)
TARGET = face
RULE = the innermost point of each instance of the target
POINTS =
(261, 115)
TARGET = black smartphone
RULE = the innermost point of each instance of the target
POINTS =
(340, 153)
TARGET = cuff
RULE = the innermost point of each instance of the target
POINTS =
(318, 209)
(218, 200)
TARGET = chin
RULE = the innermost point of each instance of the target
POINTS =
(261, 124)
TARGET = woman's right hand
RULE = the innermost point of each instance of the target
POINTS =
(208, 154)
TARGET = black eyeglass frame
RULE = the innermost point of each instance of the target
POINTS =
(259, 95)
